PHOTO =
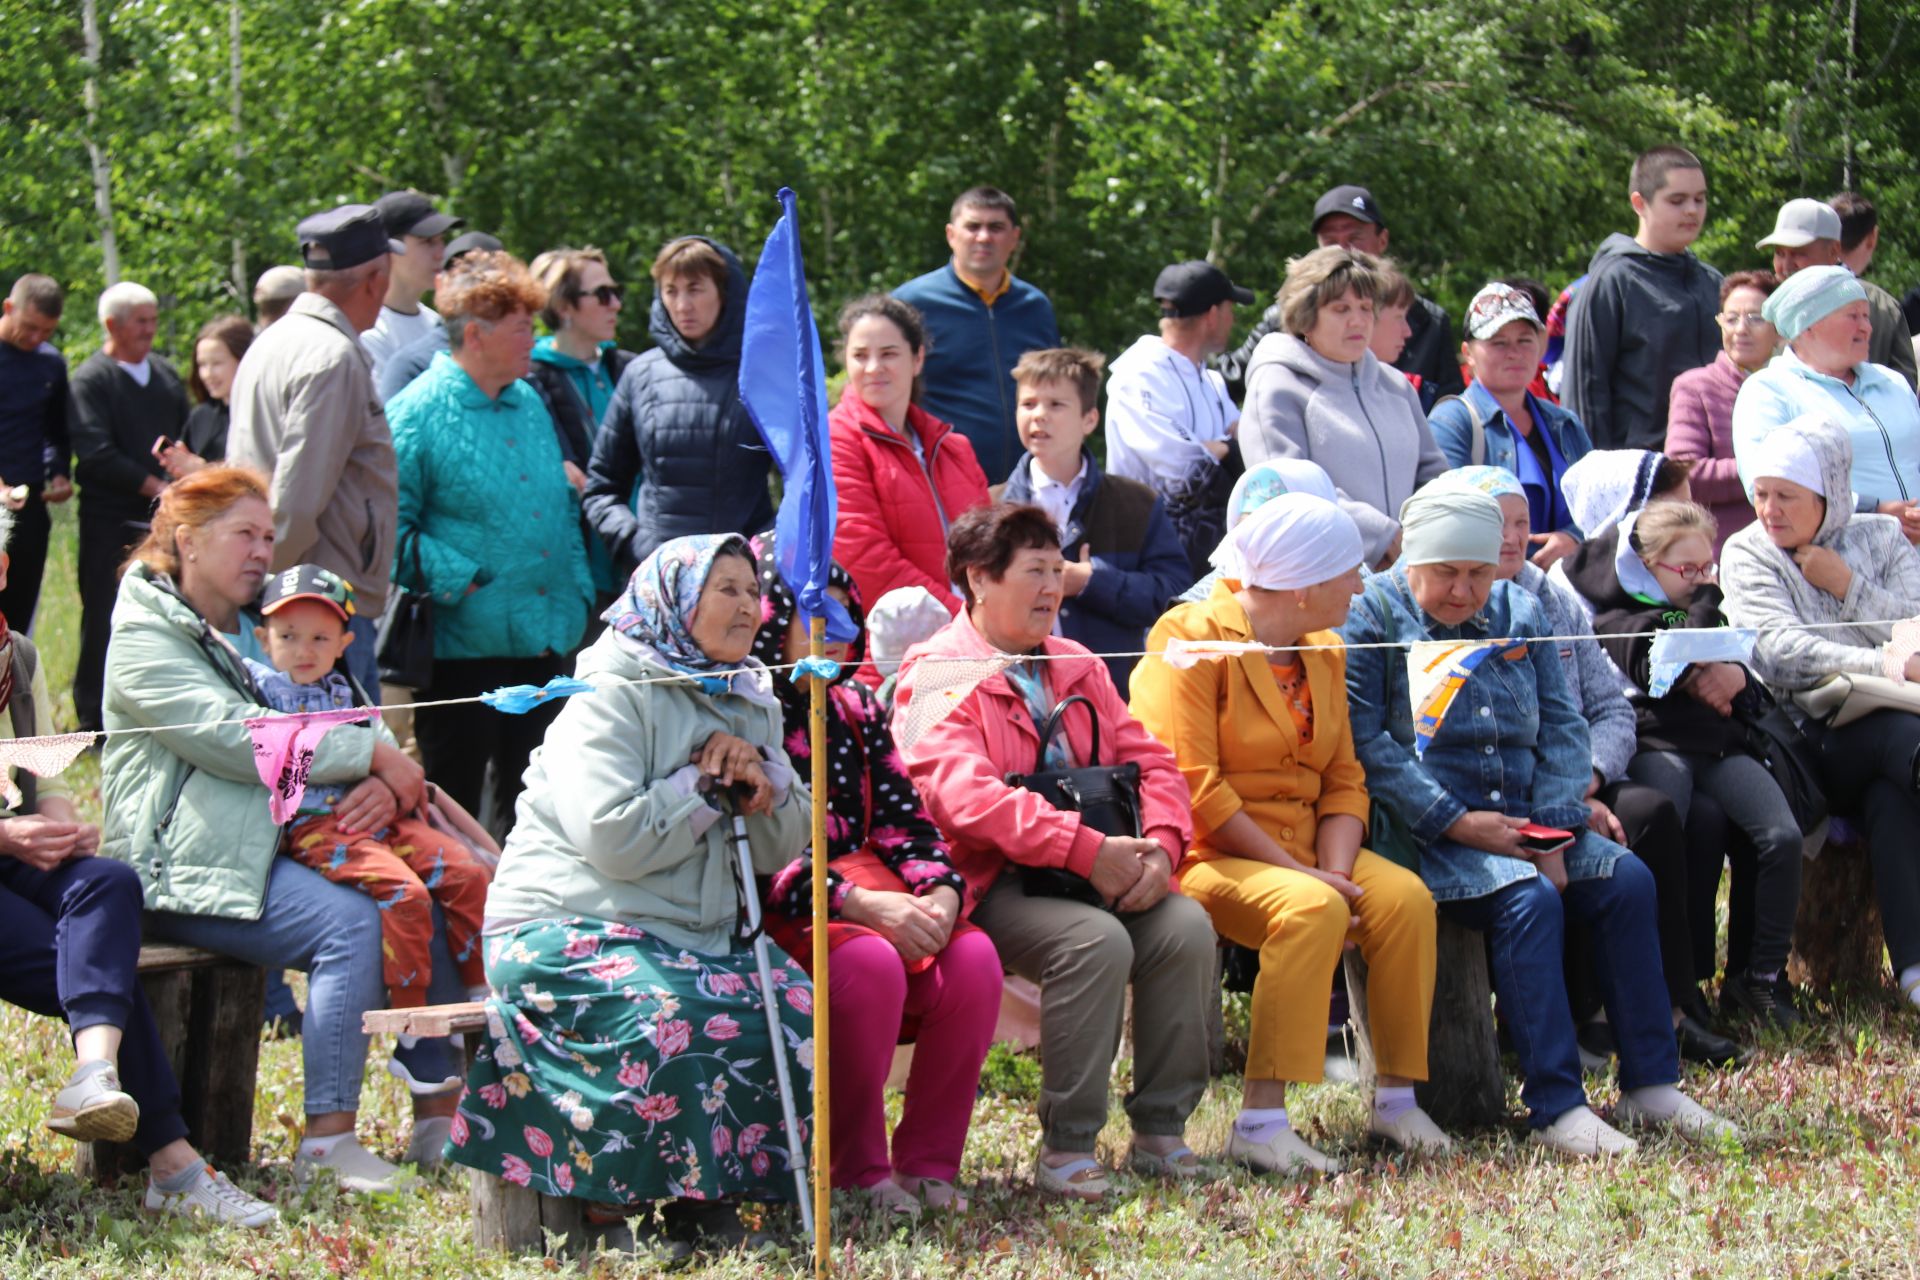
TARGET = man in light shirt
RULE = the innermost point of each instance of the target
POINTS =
(1170, 421)
(411, 220)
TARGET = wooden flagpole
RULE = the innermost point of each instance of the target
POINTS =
(822, 1090)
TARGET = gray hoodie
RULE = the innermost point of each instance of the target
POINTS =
(1765, 588)
(1362, 422)
(1641, 320)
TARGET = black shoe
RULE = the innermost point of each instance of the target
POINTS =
(715, 1224)
(641, 1237)
(1747, 996)
(1596, 1045)
(1700, 1043)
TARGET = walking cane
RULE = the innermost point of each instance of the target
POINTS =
(749, 894)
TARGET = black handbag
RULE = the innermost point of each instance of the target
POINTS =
(403, 639)
(1777, 742)
(1107, 798)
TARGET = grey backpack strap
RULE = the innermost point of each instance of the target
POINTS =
(20, 707)
(1477, 440)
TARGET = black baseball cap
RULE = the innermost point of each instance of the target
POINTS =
(1194, 288)
(408, 213)
(469, 242)
(1355, 202)
(308, 582)
(344, 237)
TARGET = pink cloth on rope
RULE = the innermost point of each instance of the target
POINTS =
(283, 748)
(43, 757)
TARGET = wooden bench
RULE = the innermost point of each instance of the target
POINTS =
(1465, 1088)
(208, 1009)
(505, 1216)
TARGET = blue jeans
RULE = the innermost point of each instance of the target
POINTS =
(363, 658)
(332, 934)
(1525, 923)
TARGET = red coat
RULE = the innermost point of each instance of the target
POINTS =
(890, 533)
(960, 766)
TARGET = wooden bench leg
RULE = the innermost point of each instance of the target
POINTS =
(517, 1219)
(1838, 938)
(1465, 1088)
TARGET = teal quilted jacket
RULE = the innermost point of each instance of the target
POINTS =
(496, 523)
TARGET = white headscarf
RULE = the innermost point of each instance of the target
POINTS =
(1296, 540)
(901, 619)
(1785, 453)
(1263, 483)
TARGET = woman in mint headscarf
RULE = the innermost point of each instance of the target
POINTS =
(628, 1057)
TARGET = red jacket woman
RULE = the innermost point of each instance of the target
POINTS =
(903, 475)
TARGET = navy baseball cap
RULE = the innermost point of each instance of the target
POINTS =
(1194, 288)
(345, 237)
(1355, 202)
(469, 242)
(408, 213)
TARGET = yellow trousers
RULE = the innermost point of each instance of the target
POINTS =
(1299, 925)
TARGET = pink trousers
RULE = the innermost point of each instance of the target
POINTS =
(956, 1000)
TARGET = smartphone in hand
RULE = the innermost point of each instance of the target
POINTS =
(1541, 841)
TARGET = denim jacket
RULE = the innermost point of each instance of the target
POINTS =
(1513, 741)
(1452, 425)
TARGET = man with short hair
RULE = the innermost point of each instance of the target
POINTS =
(1170, 421)
(1350, 217)
(304, 412)
(34, 449)
(410, 361)
(412, 222)
(1647, 312)
(127, 403)
(275, 291)
(981, 319)
(1815, 233)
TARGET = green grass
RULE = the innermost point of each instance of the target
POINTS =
(1826, 1184)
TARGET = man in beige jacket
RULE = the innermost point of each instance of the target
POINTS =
(305, 413)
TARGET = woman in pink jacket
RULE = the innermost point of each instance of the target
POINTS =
(903, 476)
(961, 737)
(1700, 413)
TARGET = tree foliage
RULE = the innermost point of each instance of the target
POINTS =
(1133, 132)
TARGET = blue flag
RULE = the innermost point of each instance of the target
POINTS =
(783, 383)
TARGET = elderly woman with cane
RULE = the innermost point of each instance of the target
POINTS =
(629, 1057)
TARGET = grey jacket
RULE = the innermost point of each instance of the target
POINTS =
(610, 827)
(1764, 587)
(305, 413)
(1592, 679)
(1362, 422)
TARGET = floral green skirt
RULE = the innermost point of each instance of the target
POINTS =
(620, 1069)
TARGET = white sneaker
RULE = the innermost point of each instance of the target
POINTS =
(212, 1196)
(1283, 1153)
(92, 1108)
(427, 1148)
(356, 1168)
(1579, 1132)
(1414, 1130)
(1690, 1120)
(401, 1063)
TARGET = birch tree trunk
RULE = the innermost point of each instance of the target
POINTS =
(96, 155)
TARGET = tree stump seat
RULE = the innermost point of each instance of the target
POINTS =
(505, 1216)
(208, 1009)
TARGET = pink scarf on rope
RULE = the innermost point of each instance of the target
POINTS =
(283, 747)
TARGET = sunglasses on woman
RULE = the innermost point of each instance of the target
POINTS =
(608, 294)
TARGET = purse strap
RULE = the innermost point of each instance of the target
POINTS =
(1052, 726)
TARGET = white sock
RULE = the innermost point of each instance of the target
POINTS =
(480, 992)
(321, 1148)
(1257, 1124)
(1661, 1101)
(1910, 982)
(1392, 1102)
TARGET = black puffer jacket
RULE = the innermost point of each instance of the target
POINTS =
(677, 429)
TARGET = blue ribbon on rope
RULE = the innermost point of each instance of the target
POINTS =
(825, 668)
(518, 699)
